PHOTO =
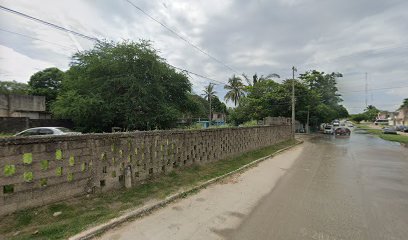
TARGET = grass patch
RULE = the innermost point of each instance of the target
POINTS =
(388, 137)
(4, 135)
(81, 213)
(395, 138)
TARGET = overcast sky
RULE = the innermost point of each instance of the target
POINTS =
(259, 36)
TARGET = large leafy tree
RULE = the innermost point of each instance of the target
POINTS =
(369, 114)
(324, 85)
(122, 84)
(316, 97)
(46, 83)
(235, 90)
(13, 87)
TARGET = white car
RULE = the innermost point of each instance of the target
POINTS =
(40, 131)
(328, 130)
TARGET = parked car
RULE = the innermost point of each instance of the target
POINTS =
(350, 125)
(389, 130)
(328, 130)
(401, 128)
(336, 123)
(39, 131)
(343, 131)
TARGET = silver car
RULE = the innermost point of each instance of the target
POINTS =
(40, 131)
(389, 130)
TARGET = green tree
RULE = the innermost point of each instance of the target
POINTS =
(209, 91)
(404, 103)
(371, 113)
(256, 79)
(122, 84)
(324, 85)
(235, 90)
(13, 87)
(46, 83)
(217, 105)
(316, 97)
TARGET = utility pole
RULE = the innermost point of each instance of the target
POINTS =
(293, 100)
(366, 90)
(209, 124)
(209, 98)
(307, 121)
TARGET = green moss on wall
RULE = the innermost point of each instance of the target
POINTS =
(71, 161)
(58, 154)
(44, 165)
(9, 170)
(28, 176)
(27, 158)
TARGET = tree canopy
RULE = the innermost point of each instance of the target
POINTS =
(235, 90)
(46, 83)
(316, 93)
(370, 114)
(404, 103)
(13, 87)
(122, 84)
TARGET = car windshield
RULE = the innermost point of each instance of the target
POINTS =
(328, 128)
(62, 129)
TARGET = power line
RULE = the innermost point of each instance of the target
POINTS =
(374, 89)
(181, 37)
(196, 74)
(23, 35)
(80, 35)
(47, 23)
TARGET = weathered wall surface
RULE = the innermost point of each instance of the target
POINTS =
(37, 171)
(22, 106)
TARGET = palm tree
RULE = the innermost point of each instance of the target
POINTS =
(256, 79)
(209, 93)
(235, 89)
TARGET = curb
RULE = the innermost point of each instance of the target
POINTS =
(147, 209)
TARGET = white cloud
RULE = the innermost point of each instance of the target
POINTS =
(19, 67)
(352, 37)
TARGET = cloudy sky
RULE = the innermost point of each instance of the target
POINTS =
(259, 36)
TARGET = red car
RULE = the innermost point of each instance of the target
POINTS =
(343, 131)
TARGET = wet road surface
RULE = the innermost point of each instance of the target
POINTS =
(339, 188)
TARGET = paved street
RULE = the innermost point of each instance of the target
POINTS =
(334, 189)
(344, 188)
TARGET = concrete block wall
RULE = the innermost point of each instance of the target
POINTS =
(42, 170)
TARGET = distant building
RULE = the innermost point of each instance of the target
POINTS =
(383, 115)
(29, 106)
(219, 118)
(401, 118)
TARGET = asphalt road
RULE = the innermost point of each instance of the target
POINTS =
(328, 188)
(340, 188)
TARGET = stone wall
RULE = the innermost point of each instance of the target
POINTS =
(41, 170)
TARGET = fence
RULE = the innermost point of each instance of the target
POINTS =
(41, 170)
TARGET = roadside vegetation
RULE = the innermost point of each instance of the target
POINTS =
(315, 92)
(128, 85)
(81, 213)
(379, 133)
(3, 135)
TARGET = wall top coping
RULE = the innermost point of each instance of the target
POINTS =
(47, 139)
